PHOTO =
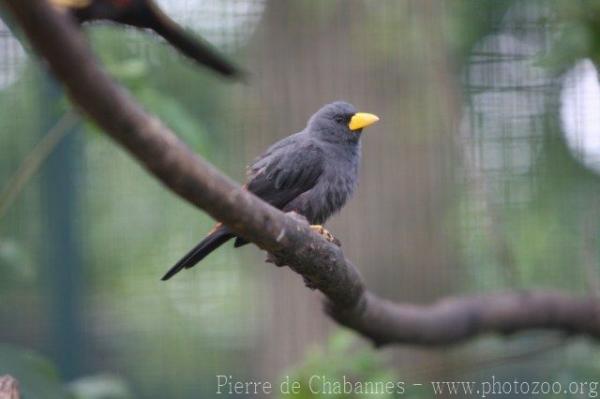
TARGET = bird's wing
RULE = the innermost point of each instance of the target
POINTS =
(285, 171)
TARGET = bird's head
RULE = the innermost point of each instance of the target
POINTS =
(340, 121)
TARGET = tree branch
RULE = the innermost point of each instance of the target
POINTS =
(61, 44)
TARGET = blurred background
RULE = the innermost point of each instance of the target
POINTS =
(482, 176)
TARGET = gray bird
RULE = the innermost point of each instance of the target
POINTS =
(312, 173)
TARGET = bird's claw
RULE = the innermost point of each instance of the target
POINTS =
(317, 228)
(323, 232)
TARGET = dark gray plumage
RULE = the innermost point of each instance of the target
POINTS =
(312, 172)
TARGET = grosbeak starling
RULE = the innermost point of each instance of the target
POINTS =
(312, 173)
(146, 14)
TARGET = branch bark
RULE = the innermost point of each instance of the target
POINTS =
(61, 44)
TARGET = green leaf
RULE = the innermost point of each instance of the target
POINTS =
(38, 378)
(103, 386)
(15, 262)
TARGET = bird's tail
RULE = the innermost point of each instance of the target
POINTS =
(212, 241)
(194, 47)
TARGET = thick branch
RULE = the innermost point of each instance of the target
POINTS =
(454, 320)
(59, 41)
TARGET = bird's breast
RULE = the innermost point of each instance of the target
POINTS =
(339, 189)
(331, 193)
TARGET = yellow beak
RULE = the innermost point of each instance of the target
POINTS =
(71, 3)
(361, 120)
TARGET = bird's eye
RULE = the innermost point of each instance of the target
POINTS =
(340, 118)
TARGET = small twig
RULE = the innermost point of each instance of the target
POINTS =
(32, 162)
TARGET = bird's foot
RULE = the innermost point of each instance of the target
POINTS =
(317, 228)
(323, 232)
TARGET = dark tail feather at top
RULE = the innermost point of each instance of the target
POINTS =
(194, 47)
(213, 241)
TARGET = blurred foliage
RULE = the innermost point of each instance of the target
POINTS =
(99, 387)
(344, 357)
(16, 263)
(472, 20)
(37, 376)
(143, 79)
(577, 35)
(39, 379)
